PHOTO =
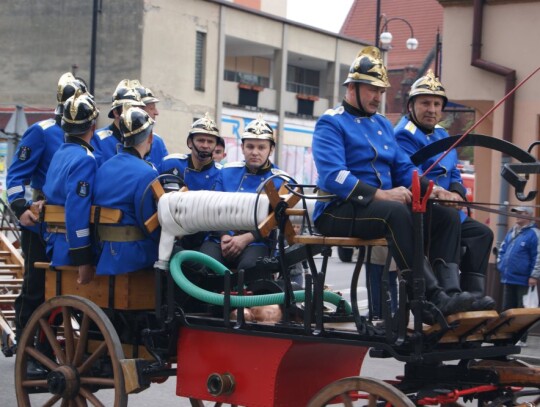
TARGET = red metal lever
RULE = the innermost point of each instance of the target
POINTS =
(419, 203)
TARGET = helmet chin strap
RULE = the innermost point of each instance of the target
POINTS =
(357, 95)
(202, 155)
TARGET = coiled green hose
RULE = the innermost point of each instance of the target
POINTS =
(236, 300)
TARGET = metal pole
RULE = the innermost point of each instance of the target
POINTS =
(377, 22)
(93, 47)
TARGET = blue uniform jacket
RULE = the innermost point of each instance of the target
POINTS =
(445, 174)
(107, 142)
(69, 183)
(181, 165)
(31, 161)
(519, 255)
(121, 183)
(356, 155)
(235, 177)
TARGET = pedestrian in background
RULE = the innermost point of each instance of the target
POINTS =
(518, 261)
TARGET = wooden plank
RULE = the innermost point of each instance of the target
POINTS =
(512, 321)
(338, 241)
(14, 256)
(467, 326)
(11, 273)
(152, 223)
(133, 291)
(10, 266)
(56, 214)
(157, 189)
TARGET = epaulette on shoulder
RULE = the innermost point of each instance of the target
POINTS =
(438, 126)
(219, 166)
(45, 124)
(277, 171)
(411, 127)
(178, 156)
(337, 110)
(380, 114)
(103, 134)
(235, 164)
(89, 153)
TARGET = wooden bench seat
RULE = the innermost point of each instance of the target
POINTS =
(465, 326)
(132, 291)
(338, 241)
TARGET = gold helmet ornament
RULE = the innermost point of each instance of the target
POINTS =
(80, 113)
(368, 67)
(124, 93)
(67, 85)
(135, 124)
(258, 129)
(147, 96)
(428, 85)
(204, 125)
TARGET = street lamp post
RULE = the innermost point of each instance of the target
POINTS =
(385, 39)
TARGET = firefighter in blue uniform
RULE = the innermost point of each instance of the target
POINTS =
(122, 183)
(359, 161)
(197, 170)
(29, 166)
(420, 128)
(107, 141)
(241, 249)
(159, 150)
(69, 183)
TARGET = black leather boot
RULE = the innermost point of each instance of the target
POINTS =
(474, 283)
(442, 288)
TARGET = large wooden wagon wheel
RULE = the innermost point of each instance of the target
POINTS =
(360, 391)
(84, 356)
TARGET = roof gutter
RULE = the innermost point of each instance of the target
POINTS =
(509, 74)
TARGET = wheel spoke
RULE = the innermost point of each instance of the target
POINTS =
(52, 340)
(90, 397)
(80, 401)
(41, 358)
(65, 403)
(68, 334)
(100, 351)
(52, 400)
(372, 400)
(34, 383)
(81, 346)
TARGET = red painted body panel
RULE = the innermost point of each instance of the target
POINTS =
(267, 372)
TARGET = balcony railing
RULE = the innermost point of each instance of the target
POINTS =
(247, 78)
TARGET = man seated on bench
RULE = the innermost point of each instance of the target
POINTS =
(359, 161)
(69, 183)
(240, 249)
(122, 182)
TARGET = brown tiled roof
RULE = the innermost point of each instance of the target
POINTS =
(425, 16)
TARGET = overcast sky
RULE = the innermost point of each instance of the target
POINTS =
(326, 14)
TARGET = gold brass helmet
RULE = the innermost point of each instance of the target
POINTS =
(147, 96)
(428, 85)
(125, 93)
(368, 67)
(80, 112)
(67, 85)
(135, 124)
(204, 125)
(258, 129)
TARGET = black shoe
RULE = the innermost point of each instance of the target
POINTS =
(35, 370)
(449, 305)
(482, 303)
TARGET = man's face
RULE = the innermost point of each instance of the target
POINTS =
(256, 152)
(370, 97)
(203, 143)
(219, 154)
(151, 109)
(427, 110)
(522, 222)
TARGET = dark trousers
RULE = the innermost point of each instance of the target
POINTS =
(246, 260)
(33, 288)
(478, 239)
(394, 221)
(513, 298)
(375, 275)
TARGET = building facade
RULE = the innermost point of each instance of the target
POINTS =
(196, 55)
